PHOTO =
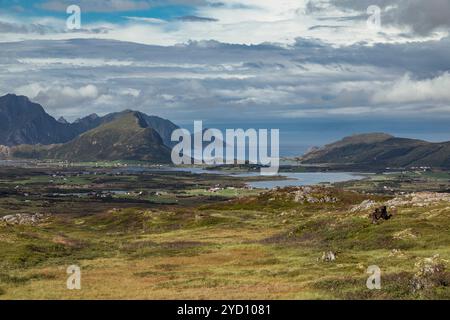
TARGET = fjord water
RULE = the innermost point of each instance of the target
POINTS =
(292, 179)
(307, 179)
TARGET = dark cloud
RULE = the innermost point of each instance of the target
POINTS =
(213, 80)
(423, 17)
(6, 27)
(196, 19)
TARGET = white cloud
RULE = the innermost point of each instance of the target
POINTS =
(130, 92)
(241, 22)
(149, 20)
(407, 90)
(57, 96)
(215, 80)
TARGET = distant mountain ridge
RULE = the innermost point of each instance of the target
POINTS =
(164, 127)
(23, 122)
(28, 132)
(381, 150)
(127, 137)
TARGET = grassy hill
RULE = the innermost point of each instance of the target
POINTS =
(381, 150)
(128, 137)
(23, 122)
(268, 246)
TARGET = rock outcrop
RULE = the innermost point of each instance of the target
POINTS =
(430, 273)
(329, 256)
(24, 219)
(418, 199)
(313, 195)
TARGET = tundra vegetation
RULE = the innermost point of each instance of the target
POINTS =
(176, 235)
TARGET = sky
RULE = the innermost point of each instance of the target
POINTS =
(315, 69)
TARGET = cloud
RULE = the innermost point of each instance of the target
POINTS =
(237, 21)
(196, 19)
(147, 20)
(235, 61)
(181, 19)
(97, 5)
(407, 90)
(223, 81)
(422, 17)
(55, 96)
(116, 5)
(6, 27)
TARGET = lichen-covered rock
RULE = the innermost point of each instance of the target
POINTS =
(363, 206)
(419, 199)
(329, 256)
(429, 274)
(24, 219)
(405, 235)
(397, 253)
(313, 195)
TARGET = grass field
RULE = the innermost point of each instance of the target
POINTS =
(255, 246)
(411, 181)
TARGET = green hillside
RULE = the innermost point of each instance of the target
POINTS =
(381, 150)
(125, 138)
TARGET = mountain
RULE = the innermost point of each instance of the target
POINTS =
(128, 137)
(381, 150)
(62, 120)
(162, 126)
(87, 123)
(23, 122)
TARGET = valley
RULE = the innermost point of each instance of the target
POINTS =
(171, 234)
(101, 195)
(238, 151)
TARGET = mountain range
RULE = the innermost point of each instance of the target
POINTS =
(27, 131)
(25, 122)
(380, 150)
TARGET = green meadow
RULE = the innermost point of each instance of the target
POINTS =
(190, 243)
